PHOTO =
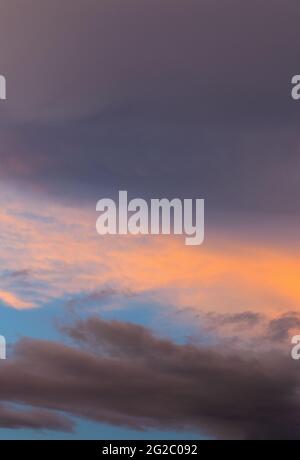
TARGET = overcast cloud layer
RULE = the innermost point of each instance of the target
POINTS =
(161, 98)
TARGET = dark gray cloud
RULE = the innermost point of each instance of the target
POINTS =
(33, 419)
(279, 328)
(167, 98)
(193, 57)
(99, 295)
(18, 273)
(241, 320)
(122, 374)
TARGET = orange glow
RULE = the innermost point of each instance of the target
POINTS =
(65, 257)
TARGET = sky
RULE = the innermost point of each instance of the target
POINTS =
(141, 336)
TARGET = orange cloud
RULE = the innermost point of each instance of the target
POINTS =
(65, 256)
(14, 301)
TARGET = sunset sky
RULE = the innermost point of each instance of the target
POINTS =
(143, 337)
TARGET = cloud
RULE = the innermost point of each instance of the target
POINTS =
(120, 373)
(246, 319)
(63, 257)
(33, 419)
(98, 297)
(279, 329)
(169, 54)
(154, 93)
(20, 274)
(10, 299)
(248, 330)
(168, 98)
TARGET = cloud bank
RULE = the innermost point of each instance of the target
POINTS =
(120, 373)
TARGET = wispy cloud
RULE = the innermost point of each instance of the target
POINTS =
(12, 300)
